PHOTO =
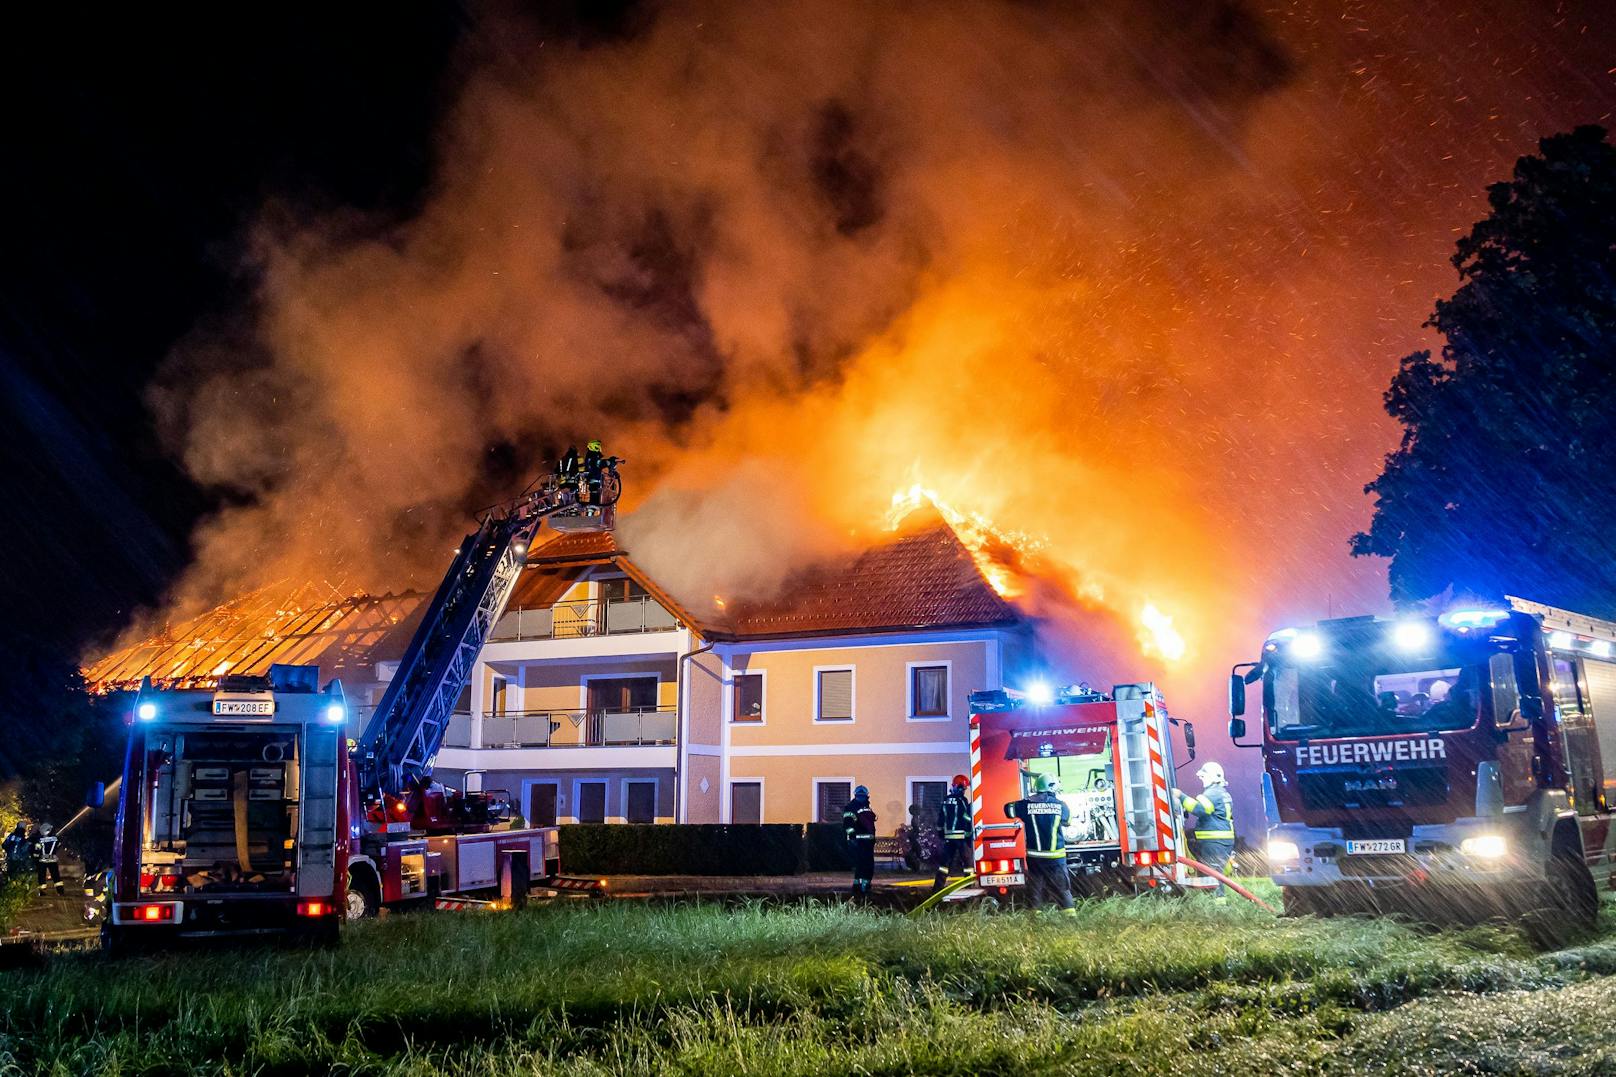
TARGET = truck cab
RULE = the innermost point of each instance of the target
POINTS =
(1454, 756)
(236, 811)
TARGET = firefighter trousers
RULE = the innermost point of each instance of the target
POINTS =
(1215, 853)
(1048, 882)
(863, 865)
(955, 856)
(42, 868)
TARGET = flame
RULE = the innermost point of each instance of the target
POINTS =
(990, 545)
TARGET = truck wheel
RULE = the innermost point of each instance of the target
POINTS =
(1566, 906)
(1302, 901)
(363, 901)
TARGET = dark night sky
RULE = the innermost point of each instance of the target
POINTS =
(138, 151)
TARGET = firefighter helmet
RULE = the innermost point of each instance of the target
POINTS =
(1040, 783)
(593, 446)
(861, 791)
(1210, 773)
(961, 781)
(45, 828)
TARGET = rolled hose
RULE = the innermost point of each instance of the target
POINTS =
(1230, 883)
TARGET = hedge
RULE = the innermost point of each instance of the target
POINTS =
(826, 848)
(682, 849)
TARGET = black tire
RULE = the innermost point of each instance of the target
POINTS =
(363, 900)
(117, 943)
(1300, 901)
(1565, 907)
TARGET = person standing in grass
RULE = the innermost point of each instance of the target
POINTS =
(16, 848)
(954, 824)
(1044, 818)
(858, 820)
(1211, 819)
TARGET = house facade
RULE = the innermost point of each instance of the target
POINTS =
(601, 697)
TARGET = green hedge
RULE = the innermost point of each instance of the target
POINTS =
(826, 848)
(682, 849)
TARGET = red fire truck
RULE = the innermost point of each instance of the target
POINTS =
(243, 809)
(1112, 755)
(1464, 762)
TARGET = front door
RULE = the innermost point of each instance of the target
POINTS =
(541, 804)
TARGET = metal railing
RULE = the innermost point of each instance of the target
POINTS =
(579, 729)
(583, 619)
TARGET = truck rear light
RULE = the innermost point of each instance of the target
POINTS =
(1164, 857)
(154, 914)
(1143, 859)
(315, 908)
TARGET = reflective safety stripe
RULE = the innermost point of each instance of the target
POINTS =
(1038, 855)
(1214, 833)
(955, 835)
(862, 837)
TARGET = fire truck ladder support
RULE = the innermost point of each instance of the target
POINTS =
(404, 734)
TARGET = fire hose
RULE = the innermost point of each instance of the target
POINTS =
(1226, 881)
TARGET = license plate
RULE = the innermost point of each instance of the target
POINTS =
(1001, 880)
(243, 706)
(1377, 845)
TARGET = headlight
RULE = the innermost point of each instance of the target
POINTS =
(1485, 846)
(1280, 851)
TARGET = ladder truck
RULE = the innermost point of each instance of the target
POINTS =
(242, 809)
(1112, 755)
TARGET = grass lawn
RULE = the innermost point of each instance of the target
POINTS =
(626, 987)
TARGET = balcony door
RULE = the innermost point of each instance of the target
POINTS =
(614, 708)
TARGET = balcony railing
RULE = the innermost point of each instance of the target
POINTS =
(582, 619)
(577, 729)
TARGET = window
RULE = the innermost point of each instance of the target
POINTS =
(830, 797)
(748, 697)
(496, 695)
(746, 802)
(639, 802)
(928, 691)
(833, 695)
(928, 795)
(620, 589)
(622, 694)
(591, 802)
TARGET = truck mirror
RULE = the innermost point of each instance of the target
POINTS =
(1189, 739)
(97, 795)
(1237, 695)
(1237, 728)
(1531, 708)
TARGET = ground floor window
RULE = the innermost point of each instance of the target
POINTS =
(591, 802)
(639, 802)
(746, 802)
(830, 797)
(928, 797)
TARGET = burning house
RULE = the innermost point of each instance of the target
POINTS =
(603, 697)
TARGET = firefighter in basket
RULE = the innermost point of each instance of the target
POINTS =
(1044, 817)
(1211, 819)
(954, 826)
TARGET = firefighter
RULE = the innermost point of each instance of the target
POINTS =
(45, 859)
(954, 827)
(858, 820)
(17, 847)
(1211, 819)
(1044, 817)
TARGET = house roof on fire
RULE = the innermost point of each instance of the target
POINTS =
(924, 579)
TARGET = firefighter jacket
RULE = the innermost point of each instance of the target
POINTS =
(45, 849)
(1042, 816)
(16, 848)
(954, 816)
(1213, 813)
(858, 819)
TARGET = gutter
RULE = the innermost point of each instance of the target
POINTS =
(678, 727)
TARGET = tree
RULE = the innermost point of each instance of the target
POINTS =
(1504, 481)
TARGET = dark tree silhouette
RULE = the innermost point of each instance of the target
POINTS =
(1504, 482)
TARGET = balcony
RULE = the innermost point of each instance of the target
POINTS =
(584, 619)
(578, 729)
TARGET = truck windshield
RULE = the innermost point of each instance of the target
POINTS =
(1369, 693)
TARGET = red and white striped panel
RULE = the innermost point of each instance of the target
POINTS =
(976, 794)
(1159, 789)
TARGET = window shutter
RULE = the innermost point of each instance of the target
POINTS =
(836, 695)
(833, 797)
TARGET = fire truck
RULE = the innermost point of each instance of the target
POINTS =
(1112, 756)
(1462, 762)
(243, 808)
